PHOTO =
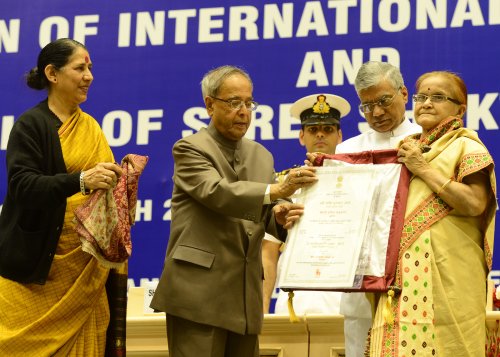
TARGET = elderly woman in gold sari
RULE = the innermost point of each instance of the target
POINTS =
(447, 242)
(53, 299)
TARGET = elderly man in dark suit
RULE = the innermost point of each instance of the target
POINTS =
(223, 201)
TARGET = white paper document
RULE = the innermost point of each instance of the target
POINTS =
(324, 247)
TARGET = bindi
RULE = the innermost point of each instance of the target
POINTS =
(87, 59)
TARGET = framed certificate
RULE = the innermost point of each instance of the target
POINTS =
(348, 237)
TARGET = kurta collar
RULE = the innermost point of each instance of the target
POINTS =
(402, 129)
(221, 139)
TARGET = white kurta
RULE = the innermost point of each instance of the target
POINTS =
(373, 140)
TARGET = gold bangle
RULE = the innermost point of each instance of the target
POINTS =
(441, 189)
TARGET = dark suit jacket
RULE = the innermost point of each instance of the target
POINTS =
(213, 269)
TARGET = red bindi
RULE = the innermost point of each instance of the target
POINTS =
(87, 59)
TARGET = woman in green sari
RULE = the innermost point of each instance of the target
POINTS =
(53, 298)
(447, 242)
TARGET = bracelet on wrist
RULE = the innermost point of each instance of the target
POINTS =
(82, 184)
(442, 188)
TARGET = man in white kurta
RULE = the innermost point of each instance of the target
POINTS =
(383, 96)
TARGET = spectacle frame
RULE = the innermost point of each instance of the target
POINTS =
(383, 102)
(237, 104)
(435, 98)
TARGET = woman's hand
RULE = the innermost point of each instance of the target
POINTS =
(103, 176)
(467, 198)
(411, 155)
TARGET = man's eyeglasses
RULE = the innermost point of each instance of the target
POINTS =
(327, 129)
(237, 104)
(435, 98)
(383, 102)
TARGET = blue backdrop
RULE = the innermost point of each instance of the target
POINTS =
(149, 57)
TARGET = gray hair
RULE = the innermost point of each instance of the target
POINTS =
(372, 73)
(213, 80)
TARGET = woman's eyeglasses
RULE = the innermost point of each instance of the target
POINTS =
(435, 98)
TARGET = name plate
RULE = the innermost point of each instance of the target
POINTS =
(149, 291)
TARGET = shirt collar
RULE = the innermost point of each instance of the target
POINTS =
(402, 128)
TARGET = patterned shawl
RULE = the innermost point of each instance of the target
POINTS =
(105, 219)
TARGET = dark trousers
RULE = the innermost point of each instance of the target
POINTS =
(191, 339)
